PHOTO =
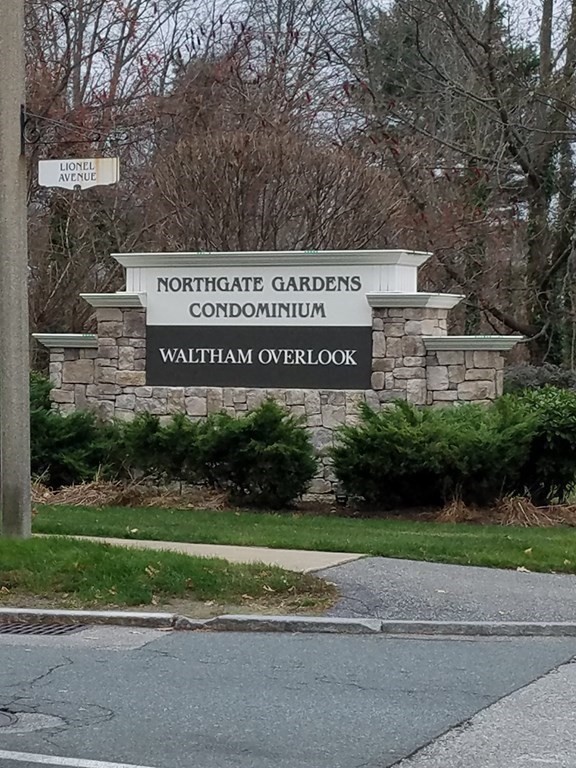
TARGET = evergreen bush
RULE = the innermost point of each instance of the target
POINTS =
(264, 459)
(404, 456)
(549, 474)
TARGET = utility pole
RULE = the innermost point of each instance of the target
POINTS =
(15, 504)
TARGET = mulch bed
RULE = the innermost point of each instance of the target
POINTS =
(509, 511)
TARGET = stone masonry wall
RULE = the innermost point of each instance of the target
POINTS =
(72, 372)
(464, 376)
(112, 381)
(399, 354)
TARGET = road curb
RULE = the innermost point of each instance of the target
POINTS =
(245, 623)
(481, 628)
(125, 618)
(294, 624)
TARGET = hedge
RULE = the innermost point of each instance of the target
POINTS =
(404, 456)
(264, 458)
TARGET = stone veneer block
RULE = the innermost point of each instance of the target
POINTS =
(78, 372)
(416, 391)
(312, 402)
(412, 346)
(131, 378)
(214, 401)
(175, 401)
(477, 390)
(333, 416)
(196, 406)
(384, 364)
(134, 323)
(480, 374)
(110, 329)
(378, 344)
(486, 359)
(394, 347)
(450, 358)
(109, 314)
(456, 374)
(62, 396)
(413, 362)
(437, 377)
(394, 329)
(450, 395)
(126, 402)
(409, 373)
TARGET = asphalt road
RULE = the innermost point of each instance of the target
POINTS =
(387, 588)
(177, 700)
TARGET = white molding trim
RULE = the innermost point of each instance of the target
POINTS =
(274, 259)
(407, 300)
(465, 343)
(115, 300)
(67, 340)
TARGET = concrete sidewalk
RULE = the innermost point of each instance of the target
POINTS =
(531, 728)
(303, 561)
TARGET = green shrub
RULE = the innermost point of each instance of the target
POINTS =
(39, 391)
(142, 445)
(164, 452)
(68, 449)
(71, 449)
(520, 377)
(264, 459)
(405, 456)
(550, 471)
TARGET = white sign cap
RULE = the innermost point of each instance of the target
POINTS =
(82, 173)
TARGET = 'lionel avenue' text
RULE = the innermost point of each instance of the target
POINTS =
(221, 356)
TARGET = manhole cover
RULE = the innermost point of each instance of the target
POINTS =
(7, 719)
(23, 628)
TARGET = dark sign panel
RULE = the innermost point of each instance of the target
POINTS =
(279, 357)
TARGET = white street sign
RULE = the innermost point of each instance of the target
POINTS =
(79, 173)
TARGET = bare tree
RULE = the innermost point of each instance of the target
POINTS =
(240, 170)
(96, 73)
(490, 105)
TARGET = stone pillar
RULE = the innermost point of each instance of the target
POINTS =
(121, 360)
(465, 375)
(72, 376)
(398, 351)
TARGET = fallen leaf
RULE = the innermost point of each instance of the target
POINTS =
(528, 551)
(521, 569)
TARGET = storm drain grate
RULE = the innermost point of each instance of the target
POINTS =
(7, 719)
(23, 628)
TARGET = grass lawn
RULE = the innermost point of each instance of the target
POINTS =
(64, 572)
(537, 549)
